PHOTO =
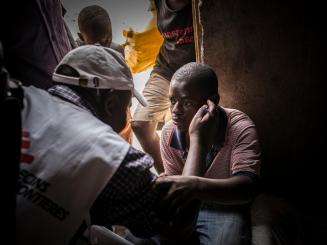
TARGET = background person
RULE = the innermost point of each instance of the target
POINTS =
(95, 27)
(35, 39)
(174, 21)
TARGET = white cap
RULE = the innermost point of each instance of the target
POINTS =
(100, 68)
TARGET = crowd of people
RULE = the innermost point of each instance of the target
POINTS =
(78, 168)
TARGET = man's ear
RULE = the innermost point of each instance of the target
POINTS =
(80, 35)
(215, 99)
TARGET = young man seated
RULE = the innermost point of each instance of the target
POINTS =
(222, 154)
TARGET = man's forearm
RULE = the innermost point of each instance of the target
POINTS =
(195, 162)
(193, 167)
(231, 191)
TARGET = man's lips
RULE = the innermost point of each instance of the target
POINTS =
(177, 120)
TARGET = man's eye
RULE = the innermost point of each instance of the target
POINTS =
(187, 103)
(173, 101)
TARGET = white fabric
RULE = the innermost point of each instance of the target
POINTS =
(99, 67)
(75, 155)
(100, 235)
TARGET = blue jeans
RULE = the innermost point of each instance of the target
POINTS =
(223, 226)
(215, 225)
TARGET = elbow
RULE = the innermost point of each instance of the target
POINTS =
(249, 192)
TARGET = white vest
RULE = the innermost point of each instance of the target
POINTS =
(68, 158)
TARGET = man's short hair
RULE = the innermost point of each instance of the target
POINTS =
(94, 21)
(201, 75)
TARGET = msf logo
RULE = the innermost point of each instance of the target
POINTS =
(26, 144)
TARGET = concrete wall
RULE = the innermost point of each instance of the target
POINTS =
(268, 56)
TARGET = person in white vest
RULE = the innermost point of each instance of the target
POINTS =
(75, 169)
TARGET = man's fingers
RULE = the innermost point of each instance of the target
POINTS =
(181, 201)
(211, 108)
(163, 175)
(162, 184)
(167, 202)
(209, 112)
(201, 112)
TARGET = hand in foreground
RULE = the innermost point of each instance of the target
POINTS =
(179, 206)
(181, 190)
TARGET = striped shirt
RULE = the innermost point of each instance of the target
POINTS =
(237, 153)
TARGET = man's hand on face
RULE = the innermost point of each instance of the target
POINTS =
(204, 123)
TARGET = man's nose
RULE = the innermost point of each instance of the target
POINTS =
(177, 108)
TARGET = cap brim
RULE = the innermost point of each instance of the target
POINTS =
(140, 98)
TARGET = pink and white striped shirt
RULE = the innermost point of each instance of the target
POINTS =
(239, 154)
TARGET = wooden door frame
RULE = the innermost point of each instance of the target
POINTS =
(197, 27)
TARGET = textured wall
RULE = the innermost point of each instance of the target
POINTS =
(268, 56)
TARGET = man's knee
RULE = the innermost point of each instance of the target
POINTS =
(224, 227)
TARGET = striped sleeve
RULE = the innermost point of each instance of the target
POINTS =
(246, 153)
(170, 158)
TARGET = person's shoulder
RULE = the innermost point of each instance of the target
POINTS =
(168, 128)
(239, 124)
(74, 120)
(69, 121)
(237, 118)
(30, 90)
(167, 131)
(37, 102)
(91, 131)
